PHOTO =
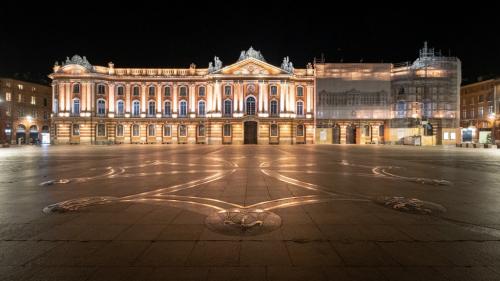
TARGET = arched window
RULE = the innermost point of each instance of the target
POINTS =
(366, 130)
(151, 91)
(120, 107)
(227, 90)
(167, 108)
(274, 108)
(274, 90)
(167, 130)
(428, 130)
(300, 130)
(119, 90)
(136, 91)
(101, 130)
(75, 131)
(274, 130)
(250, 106)
(135, 130)
(183, 91)
(101, 89)
(201, 91)
(167, 91)
(201, 108)
(76, 88)
(119, 130)
(201, 130)
(182, 130)
(136, 108)
(151, 108)
(183, 109)
(227, 130)
(76, 107)
(101, 107)
(151, 130)
(300, 108)
(228, 107)
(300, 91)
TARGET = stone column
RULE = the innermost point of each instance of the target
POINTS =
(54, 109)
(111, 98)
(309, 94)
(192, 90)
(209, 97)
(158, 98)
(68, 96)
(217, 94)
(174, 106)
(282, 97)
(92, 96)
(261, 86)
(236, 93)
(143, 98)
(291, 97)
(265, 95)
(84, 90)
(127, 98)
(241, 99)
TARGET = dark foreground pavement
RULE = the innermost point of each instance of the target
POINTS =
(191, 212)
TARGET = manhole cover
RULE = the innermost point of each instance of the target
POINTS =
(243, 222)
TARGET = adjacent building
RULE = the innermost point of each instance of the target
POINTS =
(480, 112)
(409, 103)
(25, 110)
(253, 102)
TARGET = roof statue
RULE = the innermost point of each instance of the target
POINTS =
(287, 65)
(76, 59)
(216, 65)
(251, 53)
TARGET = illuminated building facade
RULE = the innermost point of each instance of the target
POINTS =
(254, 102)
(480, 116)
(250, 101)
(25, 110)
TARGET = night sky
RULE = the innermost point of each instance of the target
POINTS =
(175, 36)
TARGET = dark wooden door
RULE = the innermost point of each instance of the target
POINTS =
(250, 132)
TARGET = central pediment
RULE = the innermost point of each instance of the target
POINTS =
(251, 66)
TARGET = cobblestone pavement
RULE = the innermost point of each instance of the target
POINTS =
(301, 212)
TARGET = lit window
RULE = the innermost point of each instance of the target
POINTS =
(33, 89)
(33, 100)
(8, 96)
(20, 86)
(250, 106)
(19, 98)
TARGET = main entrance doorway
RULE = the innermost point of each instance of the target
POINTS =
(250, 132)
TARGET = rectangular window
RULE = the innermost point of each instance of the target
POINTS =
(19, 98)
(101, 130)
(227, 90)
(182, 131)
(101, 89)
(300, 92)
(76, 130)
(34, 113)
(167, 130)
(274, 130)
(45, 115)
(119, 131)
(453, 136)
(45, 102)
(33, 100)
(136, 91)
(135, 130)
(445, 135)
(8, 96)
(20, 86)
(183, 91)
(274, 90)
(167, 91)
(201, 91)
(227, 130)
(480, 112)
(120, 91)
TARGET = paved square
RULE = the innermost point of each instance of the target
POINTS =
(302, 212)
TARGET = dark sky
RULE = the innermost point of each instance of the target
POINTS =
(174, 36)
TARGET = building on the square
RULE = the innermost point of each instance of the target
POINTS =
(252, 101)
(410, 103)
(249, 101)
(25, 110)
(480, 112)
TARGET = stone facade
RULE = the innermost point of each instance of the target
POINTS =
(25, 110)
